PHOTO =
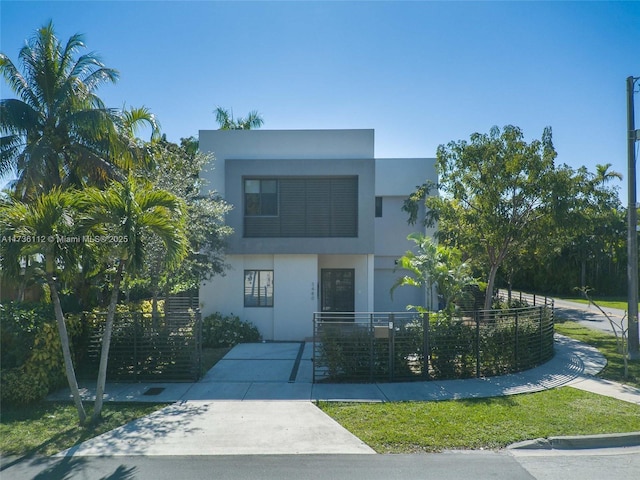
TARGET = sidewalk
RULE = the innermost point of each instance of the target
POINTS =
(263, 372)
(256, 401)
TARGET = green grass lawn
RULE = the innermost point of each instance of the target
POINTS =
(409, 427)
(46, 428)
(605, 302)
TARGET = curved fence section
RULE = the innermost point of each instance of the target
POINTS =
(404, 346)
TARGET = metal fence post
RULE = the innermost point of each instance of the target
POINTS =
(372, 340)
(425, 343)
(313, 352)
(199, 342)
(515, 350)
(540, 354)
(392, 341)
(477, 318)
(136, 366)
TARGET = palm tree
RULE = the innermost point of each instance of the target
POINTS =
(37, 230)
(227, 122)
(604, 175)
(130, 212)
(57, 130)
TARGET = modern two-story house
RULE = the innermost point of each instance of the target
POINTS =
(317, 225)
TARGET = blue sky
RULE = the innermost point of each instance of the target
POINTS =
(420, 73)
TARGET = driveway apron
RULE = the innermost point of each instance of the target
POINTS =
(254, 401)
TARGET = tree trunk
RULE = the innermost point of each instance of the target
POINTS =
(66, 350)
(488, 297)
(106, 343)
(154, 309)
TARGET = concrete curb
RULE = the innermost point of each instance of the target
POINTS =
(614, 440)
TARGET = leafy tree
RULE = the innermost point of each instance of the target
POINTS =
(43, 231)
(177, 170)
(226, 121)
(496, 192)
(586, 246)
(130, 213)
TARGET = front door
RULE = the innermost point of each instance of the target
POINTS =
(338, 289)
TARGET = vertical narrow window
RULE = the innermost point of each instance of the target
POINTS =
(258, 288)
(378, 206)
(260, 197)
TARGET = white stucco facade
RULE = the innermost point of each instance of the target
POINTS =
(310, 272)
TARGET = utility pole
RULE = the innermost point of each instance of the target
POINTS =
(632, 233)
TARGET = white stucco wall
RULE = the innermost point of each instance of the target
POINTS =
(294, 294)
(401, 176)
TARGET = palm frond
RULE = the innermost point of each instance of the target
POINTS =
(18, 84)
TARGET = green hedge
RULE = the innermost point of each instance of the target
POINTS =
(227, 331)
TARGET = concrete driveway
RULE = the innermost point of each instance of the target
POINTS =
(259, 400)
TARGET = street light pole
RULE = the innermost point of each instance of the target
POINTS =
(632, 233)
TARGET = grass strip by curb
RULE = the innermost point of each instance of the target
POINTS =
(47, 428)
(492, 423)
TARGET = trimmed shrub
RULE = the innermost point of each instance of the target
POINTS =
(227, 331)
(32, 363)
(19, 387)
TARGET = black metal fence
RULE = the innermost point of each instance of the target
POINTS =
(143, 348)
(369, 347)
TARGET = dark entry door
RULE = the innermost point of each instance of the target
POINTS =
(338, 289)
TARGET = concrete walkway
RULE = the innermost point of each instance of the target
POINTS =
(258, 400)
(590, 316)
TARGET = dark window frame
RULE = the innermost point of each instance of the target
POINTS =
(251, 299)
(267, 204)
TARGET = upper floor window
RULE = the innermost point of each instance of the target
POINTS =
(378, 206)
(305, 207)
(260, 197)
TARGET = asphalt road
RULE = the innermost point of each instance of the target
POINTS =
(621, 464)
(589, 315)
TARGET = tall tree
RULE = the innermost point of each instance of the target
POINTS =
(177, 169)
(57, 131)
(495, 194)
(129, 213)
(43, 231)
(226, 121)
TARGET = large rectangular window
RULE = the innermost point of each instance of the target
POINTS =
(258, 288)
(260, 197)
(301, 207)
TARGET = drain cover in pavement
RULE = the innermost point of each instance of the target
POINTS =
(154, 391)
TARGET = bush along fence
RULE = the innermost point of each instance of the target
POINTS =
(372, 347)
(143, 348)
